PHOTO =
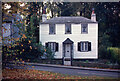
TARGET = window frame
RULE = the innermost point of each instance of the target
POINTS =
(52, 45)
(55, 46)
(83, 25)
(68, 25)
(54, 29)
(84, 44)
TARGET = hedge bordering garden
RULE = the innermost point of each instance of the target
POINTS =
(83, 63)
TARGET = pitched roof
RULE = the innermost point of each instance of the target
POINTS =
(68, 19)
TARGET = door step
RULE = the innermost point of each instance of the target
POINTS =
(67, 61)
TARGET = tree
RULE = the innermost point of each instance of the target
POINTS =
(26, 47)
(33, 20)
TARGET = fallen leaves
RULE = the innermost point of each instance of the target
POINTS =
(36, 74)
(31, 74)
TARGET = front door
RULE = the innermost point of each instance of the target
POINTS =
(67, 51)
(67, 57)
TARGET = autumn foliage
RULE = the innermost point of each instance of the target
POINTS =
(26, 49)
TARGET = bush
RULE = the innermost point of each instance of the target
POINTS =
(114, 54)
(102, 52)
(26, 50)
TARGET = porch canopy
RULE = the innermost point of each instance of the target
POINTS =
(68, 41)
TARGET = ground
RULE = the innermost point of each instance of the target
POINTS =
(37, 74)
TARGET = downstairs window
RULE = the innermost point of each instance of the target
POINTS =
(53, 46)
(84, 46)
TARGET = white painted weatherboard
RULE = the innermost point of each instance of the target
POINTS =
(76, 37)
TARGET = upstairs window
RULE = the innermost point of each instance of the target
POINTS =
(51, 28)
(84, 46)
(67, 28)
(53, 46)
(84, 28)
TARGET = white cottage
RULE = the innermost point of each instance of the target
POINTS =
(71, 37)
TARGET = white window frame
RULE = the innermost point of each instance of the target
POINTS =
(52, 26)
(84, 46)
(84, 25)
(52, 46)
(67, 26)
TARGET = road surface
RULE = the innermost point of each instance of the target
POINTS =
(71, 71)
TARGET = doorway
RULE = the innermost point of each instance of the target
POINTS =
(67, 52)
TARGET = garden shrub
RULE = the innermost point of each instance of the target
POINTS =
(26, 50)
(102, 52)
(114, 54)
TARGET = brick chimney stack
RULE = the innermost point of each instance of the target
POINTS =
(93, 16)
(44, 16)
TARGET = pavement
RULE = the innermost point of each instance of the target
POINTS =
(71, 67)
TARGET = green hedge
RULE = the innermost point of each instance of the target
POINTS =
(113, 54)
(102, 52)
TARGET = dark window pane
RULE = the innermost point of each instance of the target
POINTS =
(82, 46)
(84, 28)
(86, 46)
(67, 28)
(51, 28)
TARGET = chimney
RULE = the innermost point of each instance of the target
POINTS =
(44, 16)
(93, 16)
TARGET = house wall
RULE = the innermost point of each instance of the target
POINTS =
(6, 32)
(6, 29)
(9, 32)
(76, 37)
